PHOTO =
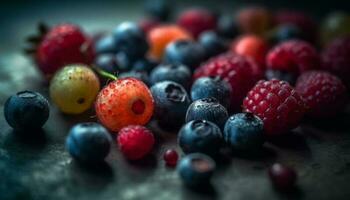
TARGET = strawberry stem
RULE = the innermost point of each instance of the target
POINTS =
(104, 73)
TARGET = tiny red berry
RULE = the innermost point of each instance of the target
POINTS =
(170, 157)
(282, 177)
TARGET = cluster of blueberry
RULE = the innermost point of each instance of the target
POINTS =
(200, 75)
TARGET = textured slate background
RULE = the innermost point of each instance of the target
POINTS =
(35, 165)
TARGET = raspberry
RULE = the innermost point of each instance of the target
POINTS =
(324, 94)
(277, 104)
(135, 141)
(239, 71)
(293, 56)
(124, 102)
(197, 21)
(336, 59)
(64, 44)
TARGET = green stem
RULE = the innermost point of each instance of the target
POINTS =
(104, 73)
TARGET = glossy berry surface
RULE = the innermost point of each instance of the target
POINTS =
(74, 89)
(106, 44)
(107, 62)
(196, 170)
(135, 141)
(254, 20)
(227, 27)
(141, 75)
(212, 86)
(251, 46)
(200, 136)
(171, 103)
(88, 142)
(184, 52)
(172, 72)
(325, 94)
(336, 58)
(207, 109)
(161, 36)
(212, 43)
(294, 56)
(26, 110)
(126, 101)
(64, 44)
(197, 21)
(282, 177)
(244, 132)
(127, 36)
(170, 157)
(277, 104)
(240, 72)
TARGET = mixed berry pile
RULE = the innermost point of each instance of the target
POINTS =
(221, 81)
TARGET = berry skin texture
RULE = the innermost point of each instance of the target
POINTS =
(325, 94)
(171, 103)
(126, 101)
(170, 157)
(294, 56)
(244, 132)
(172, 72)
(282, 177)
(212, 86)
(106, 44)
(88, 142)
(184, 52)
(254, 20)
(161, 36)
(200, 136)
(135, 141)
(212, 43)
(207, 109)
(196, 170)
(26, 110)
(336, 59)
(64, 44)
(240, 72)
(197, 21)
(277, 104)
(74, 89)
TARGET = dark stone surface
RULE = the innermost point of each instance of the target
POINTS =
(34, 165)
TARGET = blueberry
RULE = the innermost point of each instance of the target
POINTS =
(244, 132)
(185, 52)
(200, 136)
(141, 75)
(159, 9)
(227, 27)
(171, 103)
(107, 62)
(106, 44)
(144, 64)
(212, 43)
(212, 86)
(171, 72)
(196, 170)
(88, 142)
(281, 75)
(287, 32)
(131, 40)
(26, 110)
(207, 109)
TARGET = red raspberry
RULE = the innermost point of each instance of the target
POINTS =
(336, 59)
(241, 72)
(293, 56)
(135, 141)
(64, 44)
(300, 20)
(277, 104)
(325, 95)
(197, 21)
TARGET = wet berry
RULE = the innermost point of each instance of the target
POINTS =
(172, 72)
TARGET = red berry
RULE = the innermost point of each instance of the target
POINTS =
(336, 59)
(293, 56)
(325, 95)
(196, 21)
(64, 44)
(254, 20)
(241, 72)
(135, 141)
(126, 101)
(282, 177)
(277, 104)
(170, 157)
